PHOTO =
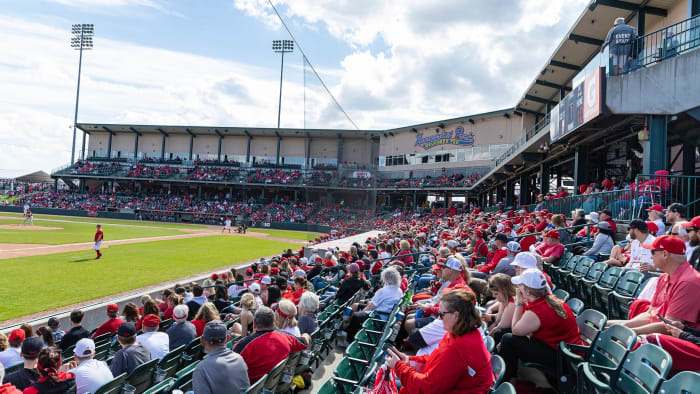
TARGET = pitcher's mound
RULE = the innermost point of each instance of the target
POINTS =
(29, 227)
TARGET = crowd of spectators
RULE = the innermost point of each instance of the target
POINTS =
(444, 180)
(88, 168)
(144, 171)
(207, 173)
(274, 176)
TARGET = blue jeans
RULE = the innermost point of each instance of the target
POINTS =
(424, 281)
(319, 283)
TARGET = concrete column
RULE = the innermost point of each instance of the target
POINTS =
(109, 146)
(688, 158)
(308, 151)
(544, 179)
(277, 158)
(510, 192)
(218, 153)
(500, 193)
(136, 146)
(524, 189)
(581, 166)
(191, 145)
(340, 149)
(654, 158)
(162, 148)
(247, 151)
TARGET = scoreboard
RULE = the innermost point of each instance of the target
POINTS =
(585, 102)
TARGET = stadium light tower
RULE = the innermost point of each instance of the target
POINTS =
(81, 40)
(281, 46)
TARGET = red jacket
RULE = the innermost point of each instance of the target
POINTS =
(458, 283)
(488, 267)
(294, 296)
(526, 242)
(450, 369)
(110, 326)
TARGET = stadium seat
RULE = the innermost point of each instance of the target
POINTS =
(575, 305)
(622, 295)
(14, 368)
(498, 366)
(104, 338)
(184, 378)
(284, 384)
(490, 343)
(683, 382)
(161, 388)
(583, 286)
(114, 386)
(141, 378)
(332, 386)
(165, 324)
(584, 264)
(505, 388)
(274, 376)
(350, 369)
(609, 349)
(642, 372)
(193, 352)
(170, 363)
(561, 272)
(604, 286)
(257, 387)
(561, 294)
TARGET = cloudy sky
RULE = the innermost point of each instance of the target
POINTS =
(389, 63)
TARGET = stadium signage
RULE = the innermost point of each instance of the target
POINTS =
(453, 137)
(585, 102)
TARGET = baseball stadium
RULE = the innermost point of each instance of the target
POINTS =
(547, 245)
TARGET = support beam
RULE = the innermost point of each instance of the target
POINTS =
(308, 150)
(510, 193)
(218, 152)
(340, 149)
(581, 166)
(162, 147)
(524, 189)
(551, 85)
(641, 22)
(279, 142)
(544, 179)
(247, 151)
(623, 5)
(586, 40)
(109, 146)
(528, 111)
(567, 66)
(509, 168)
(540, 100)
(136, 146)
(532, 157)
(688, 158)
(654, 156)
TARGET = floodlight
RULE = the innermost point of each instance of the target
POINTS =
(81, 40)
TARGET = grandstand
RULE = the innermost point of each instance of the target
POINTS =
(560, 196)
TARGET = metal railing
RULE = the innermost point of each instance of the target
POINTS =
(661, 44)
(533, 132)
(665, 190)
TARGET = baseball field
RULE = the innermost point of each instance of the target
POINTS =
(51, 264)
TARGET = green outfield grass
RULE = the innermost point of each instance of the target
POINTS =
(74, 232)
(302, 235)
(103, 220)
(38, 283)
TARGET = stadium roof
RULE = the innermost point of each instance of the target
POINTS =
(218, 131)
(437, 123)
(23, 176)
(580, 45)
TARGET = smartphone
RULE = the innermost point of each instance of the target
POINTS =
(663, 320)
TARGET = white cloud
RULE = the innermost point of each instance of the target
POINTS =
(103, 5)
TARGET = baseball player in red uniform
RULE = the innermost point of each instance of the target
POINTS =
(99, 236)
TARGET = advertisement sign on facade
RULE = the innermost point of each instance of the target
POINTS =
(583, 104)
(452, 137)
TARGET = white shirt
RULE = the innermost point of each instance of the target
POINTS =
(292, 330)
(90, 375)
(638, 254)
(158, 343)
(11, 357)
(662, 227)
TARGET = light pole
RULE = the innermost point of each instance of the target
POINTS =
(82, 39)
(281, 46)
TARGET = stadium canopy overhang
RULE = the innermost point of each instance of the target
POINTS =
(224, 131)
(579, 46)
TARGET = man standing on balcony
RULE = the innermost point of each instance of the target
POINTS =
(621, 40)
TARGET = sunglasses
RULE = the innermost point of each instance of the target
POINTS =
(442, 314)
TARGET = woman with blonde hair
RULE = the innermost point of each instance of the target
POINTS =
(207, 312)
(540, 322)
(405, 251)
(500, 314)
(285, 317)
(248, 308)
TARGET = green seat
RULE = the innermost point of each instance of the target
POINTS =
(102, 351)
(505, 388)
(258, 387)
(575, 305)
(165, 324)
(66, 353)
(563, 269)
(584, 264)
(161, 388)
(142, 377)
(114, 386)
(549, 267)
(350, 369)
(184, 378)
(193, 352)
(104, 338)
(333, 386)
(273, 377)
(359, 351)
(684, 382)
(604, 286)
(561, 294)
(490, 343)
(622, 295)
(608, 350)
(170, 363)
(642, 372)
(285, 382)
(498, 366)
(583, 286)
(316, 347)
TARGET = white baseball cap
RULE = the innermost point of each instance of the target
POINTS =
(265, 280)
(454, 264)
(255, 288)
(532, 278)
(85, 347)
(452, 243)
(513, 246)
(594, 217)
(180, 312)
(300, 273)
(525, 260)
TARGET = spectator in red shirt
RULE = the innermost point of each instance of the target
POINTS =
(405, 249)
(528, 239)
(606, 216)
(550, 249)
(112, 324)
(265, 348)
(437, 370)
(483, 271)
(540, 322)
(163, 306)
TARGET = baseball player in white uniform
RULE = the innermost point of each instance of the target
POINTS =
(227, 226)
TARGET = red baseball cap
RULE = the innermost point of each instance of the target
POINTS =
(656, 207)
(274, 271)
(112, 308)
(694, 222)
(552, 234)
(669, 243)
(151, 321)
(653, 227)
(17, 335)
(249, 271)
(214, 276)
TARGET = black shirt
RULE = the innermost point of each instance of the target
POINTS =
(349, 286)
(73, 336)
(314, 271)
(273, 294)
(22, 378)
(695, 259)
